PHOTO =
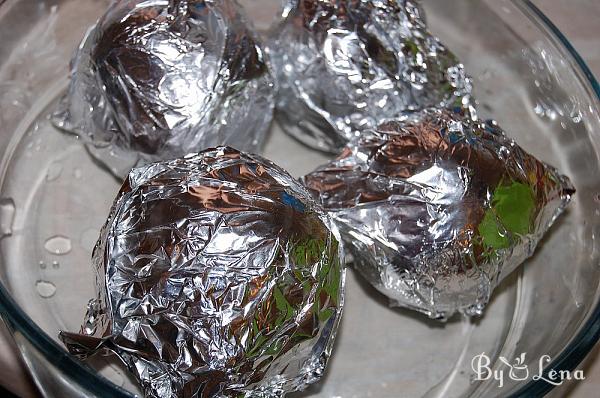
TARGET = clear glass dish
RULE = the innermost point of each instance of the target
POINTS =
(54, 199)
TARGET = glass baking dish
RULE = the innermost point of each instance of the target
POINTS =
(54, 199)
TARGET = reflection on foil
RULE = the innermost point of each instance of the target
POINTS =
(161, 79)
(218, 276)
(345, 66)
(438, 207)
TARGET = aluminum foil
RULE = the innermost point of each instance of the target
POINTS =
(438, 207)
(218, 276)
(164, 78)
(343, 66)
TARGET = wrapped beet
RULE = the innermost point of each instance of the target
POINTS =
(218, 276)
(161, 79)
(345, 66)
(438, 207)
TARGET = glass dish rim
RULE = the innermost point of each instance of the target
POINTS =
(569, 358)
(589, 334)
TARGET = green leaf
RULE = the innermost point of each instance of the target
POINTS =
(290, 313)
(258, 343)
(412, 47)
(275, 348)
(299, 254)
(302, 336)
(511, 211)
(325, 314)
(280, 301)
(489, 231)
(307, 252)
(514, 206)
(333, 282)
(285, 309)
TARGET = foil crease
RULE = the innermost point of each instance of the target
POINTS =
(345, 66)
(160, 79)
(218, 275)
(438, 207)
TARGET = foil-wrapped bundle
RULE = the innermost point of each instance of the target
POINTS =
(161, 79)
(218, 276)
(343, 66)
(437, 208)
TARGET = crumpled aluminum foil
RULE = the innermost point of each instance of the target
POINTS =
(164, 78)
(218, 275)
(437, 208)
(346, 66)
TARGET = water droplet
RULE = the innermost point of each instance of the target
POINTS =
(89, 237)
(576, 116)
(45, 289)
(7, 216)
(42, 265)
(77, 173)
(55, 264)
(58, 245)
(54, 171)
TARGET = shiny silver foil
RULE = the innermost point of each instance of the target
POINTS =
(218, 276)
(343, 66)
(163, 78)
(437, 208)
